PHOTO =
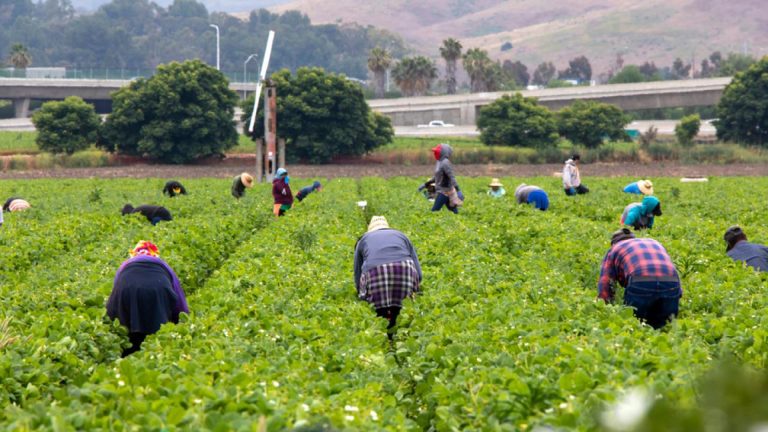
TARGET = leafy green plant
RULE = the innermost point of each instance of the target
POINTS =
(687, 129)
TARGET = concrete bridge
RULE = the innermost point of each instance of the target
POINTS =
(463, 109)
(22, 90)
(460, 109)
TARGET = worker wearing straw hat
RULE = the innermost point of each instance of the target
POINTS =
(640, 187)
(239, 184)
(387, 270)
(496, 189)
(529, 194)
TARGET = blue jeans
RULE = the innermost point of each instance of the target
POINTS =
(655, 299)
(442, 200)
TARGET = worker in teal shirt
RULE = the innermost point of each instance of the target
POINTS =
(640, 215)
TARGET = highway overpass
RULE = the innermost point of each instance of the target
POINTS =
(22, 90)
(463, 109)
(460, 109)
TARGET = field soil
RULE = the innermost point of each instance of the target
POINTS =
(376, 170)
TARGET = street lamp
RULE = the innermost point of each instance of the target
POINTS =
(245, 92)
(218, 47)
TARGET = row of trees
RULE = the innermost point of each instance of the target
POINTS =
(184, 112)
(416, 75)
(139, 34)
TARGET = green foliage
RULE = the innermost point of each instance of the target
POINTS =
(67, 126)
(517, 121)
(414, 75)
(629, 74)
(687, 129)
(182, 113)
(140, 35)
(743, 111)
(510, 337)
(589, 123)
(484, 73)
(322, 115)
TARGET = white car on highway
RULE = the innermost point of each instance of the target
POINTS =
(436, 123)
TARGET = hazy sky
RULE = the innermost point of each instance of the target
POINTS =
(212, 5)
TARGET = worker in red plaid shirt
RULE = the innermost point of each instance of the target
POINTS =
(650, 280)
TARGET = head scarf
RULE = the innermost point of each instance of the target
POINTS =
(144, 247)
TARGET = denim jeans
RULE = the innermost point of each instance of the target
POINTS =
(655, 299)
(443, 200)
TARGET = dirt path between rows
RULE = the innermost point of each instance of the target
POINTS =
(377, 170)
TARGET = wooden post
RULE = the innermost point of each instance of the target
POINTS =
(270, 131)
(259, 159)
(281, 152)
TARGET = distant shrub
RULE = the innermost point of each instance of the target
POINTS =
(66, 126)
(687, 129)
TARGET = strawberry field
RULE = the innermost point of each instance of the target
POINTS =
(506, 334)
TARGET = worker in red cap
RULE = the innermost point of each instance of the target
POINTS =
(445, 180)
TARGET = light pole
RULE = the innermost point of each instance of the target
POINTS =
(245, 92)
(218, 47)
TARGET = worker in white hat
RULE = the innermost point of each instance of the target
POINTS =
(387, 270)
(640, 187)
(496, 189)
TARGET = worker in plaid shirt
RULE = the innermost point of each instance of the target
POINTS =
(643, 267)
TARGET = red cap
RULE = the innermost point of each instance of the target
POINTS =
(436, 151)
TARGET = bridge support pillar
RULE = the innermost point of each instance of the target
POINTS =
(467, 113)
(21, 107)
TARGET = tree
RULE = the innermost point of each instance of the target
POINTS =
(517, 121)
(742, 112)
(66, 126)
(680, 70)
(414, 75)
(650, 71)
(19, 58)
(578, 69)
(517, 71)
(544, 73)
(484, 74)
(589, 123)
(630, 74)
(322, 115)
(184, 112)
(735, 63)
(379, 61)
(451, 52)
(687, 129)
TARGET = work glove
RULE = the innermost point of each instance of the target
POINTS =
(572, 191)
(421, 188)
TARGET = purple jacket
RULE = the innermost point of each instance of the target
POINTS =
(281, 192)
(181, 303)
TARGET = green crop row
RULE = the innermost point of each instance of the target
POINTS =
(506, 334)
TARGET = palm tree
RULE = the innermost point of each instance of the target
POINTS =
(414, 75)
(477, 64)
(451, 52)
(379, 61)
(20, 57)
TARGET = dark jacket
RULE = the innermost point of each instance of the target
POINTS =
(238, 188)
(153, 213)
(755, 255)
(281, 191)
(307, 190)
(444, 178)
(171, 185)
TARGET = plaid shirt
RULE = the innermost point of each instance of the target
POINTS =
(633, 257)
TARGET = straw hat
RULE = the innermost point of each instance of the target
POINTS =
(495, 182)
(377, 223)
(247, 180)
(646, 187)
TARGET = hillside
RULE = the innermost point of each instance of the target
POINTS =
(654, 30)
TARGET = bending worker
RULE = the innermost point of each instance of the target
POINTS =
(303, 192)
(146, 294)
(640, 187)
(14, 204)
(641, 215)
(643, 267)
(173, 188)
(239, 183)
(496, 189)
(153, 213)
(738, 248)
(387, 270)
(528, 194)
